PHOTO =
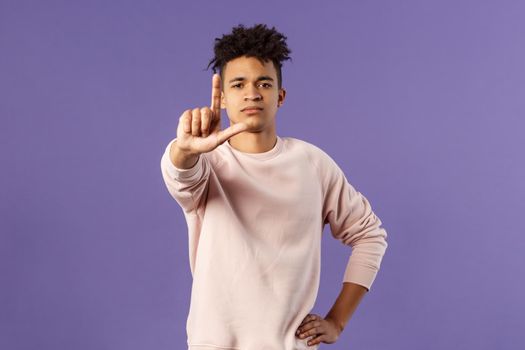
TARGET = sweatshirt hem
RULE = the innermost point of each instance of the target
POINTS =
(210, 347)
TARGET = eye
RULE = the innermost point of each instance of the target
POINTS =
(268, 85)
(236, 85)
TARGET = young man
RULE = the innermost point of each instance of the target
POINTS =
(256, 205)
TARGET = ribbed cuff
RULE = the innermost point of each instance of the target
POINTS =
(181, 174)
(360, 274)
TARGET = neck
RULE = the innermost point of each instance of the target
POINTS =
(254, 142)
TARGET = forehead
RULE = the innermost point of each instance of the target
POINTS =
(248, 67)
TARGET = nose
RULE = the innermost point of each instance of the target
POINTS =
(252, 93)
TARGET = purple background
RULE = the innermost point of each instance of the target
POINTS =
(420, 103)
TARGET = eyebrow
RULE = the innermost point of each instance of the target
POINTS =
(262, 77)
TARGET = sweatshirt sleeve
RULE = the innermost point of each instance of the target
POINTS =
(187, 186)
(352, 222)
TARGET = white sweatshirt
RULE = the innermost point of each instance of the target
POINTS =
(255, 222)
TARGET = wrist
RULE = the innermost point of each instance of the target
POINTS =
(339, 326)
(176, 149)
(181, 158)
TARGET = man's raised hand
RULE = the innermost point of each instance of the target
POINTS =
(199, 129)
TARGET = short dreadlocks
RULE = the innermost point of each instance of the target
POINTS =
(258, 41)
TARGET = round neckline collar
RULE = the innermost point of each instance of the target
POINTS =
(262, 155)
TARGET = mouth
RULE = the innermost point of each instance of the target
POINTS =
(251, 110)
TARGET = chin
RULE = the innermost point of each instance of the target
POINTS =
(255, 124)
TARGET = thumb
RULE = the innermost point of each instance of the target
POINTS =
(233, 130)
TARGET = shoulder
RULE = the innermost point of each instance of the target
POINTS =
(295, 143)
(315, 153)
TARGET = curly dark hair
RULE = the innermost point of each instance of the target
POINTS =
(258, 41)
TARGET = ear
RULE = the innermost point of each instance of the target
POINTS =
(281, 97)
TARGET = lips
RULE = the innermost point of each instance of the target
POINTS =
(251, 108)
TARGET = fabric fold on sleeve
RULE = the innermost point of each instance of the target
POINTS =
(352, 222)
(186, 186)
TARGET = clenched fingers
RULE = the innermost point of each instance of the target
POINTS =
(308, 325)
(185, 121)
(309, 317)
(196, 122)
(309, 329)
(318, 329)
(205, 121)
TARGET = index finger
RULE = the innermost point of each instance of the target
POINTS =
(216, 95)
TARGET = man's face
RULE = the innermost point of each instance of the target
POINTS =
(247, 82)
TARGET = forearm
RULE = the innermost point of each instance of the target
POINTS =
(346, 303)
